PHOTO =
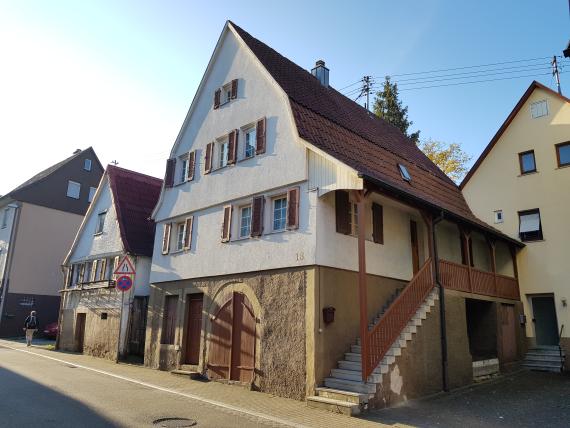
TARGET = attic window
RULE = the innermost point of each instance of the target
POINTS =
(404, 172)
(539, 109)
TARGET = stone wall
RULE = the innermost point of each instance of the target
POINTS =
(278, 300)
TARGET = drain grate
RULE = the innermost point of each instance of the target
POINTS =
(174, 422)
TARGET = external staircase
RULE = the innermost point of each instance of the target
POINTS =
(545, 358)
(344, 391)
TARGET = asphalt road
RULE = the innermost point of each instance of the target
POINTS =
(45, 393)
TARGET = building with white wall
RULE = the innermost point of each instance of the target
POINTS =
(38, 221)
(288, 218)
(96, 317)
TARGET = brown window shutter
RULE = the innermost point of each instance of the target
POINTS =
(169, 176)
(257, 216)
(342, 207)
(209, 156)
(188, 233)
(217, 96)
(191, 165)
(260, 136)
(166, 238)
(227, 224)
(232, 147)
(234, 89)
(293, 208)
(377, 223)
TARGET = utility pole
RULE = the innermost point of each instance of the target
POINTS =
(556, 73)
(366, 87)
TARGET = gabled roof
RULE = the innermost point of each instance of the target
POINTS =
(345, 130)
(134, 196)
(534, 85)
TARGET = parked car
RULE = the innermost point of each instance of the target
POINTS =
(50, 330)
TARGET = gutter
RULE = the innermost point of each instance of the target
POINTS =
(449, 215)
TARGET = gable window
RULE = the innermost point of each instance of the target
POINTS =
(530, 225)
(73, 189)
(180, 235)
(87, 164)
(498, 216)
(226, 93)
(223, 153)
(5, 218)
(245, 222)
(250, 142)
(279, 213)
(404, 172)
(563, 154)
(92, 191)
(100, 222)
(527, 162)
(183, 169)
(539, 109)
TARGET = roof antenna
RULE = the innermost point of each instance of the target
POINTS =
(114, 162)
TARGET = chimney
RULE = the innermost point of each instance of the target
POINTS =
(321, 73)
(77, 151)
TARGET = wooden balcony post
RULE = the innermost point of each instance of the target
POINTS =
(515, 268)
(363, 300)
(467, 252)
(493, 255)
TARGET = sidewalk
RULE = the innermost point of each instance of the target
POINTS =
(280, 411)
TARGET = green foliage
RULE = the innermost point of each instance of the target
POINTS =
(388, 106)
(450, 158)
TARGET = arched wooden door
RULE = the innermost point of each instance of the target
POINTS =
(232, 341)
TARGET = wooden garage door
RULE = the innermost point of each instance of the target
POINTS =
(232, 341)
(508, 333)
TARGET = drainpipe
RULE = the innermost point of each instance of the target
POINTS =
(443, 328)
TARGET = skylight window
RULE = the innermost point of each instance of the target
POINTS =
(404, 172)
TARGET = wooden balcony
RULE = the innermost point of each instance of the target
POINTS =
(460, 277)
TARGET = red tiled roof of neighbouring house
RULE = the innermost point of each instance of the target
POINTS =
(348, 132)
(135, 196)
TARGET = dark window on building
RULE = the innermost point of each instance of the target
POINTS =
(563, 154)
(103, 315)
(527, 162)
(530, 225)
(169, 320)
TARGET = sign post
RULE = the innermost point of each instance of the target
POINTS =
(124, 275)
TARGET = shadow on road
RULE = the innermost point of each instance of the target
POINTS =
(27, 403)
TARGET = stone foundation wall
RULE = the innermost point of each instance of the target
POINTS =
(278, 300)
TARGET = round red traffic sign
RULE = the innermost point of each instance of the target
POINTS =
(124, 283)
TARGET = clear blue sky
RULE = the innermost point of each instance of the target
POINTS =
(120, 75)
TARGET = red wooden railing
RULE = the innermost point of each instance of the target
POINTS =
(455, 276)
(390, 326)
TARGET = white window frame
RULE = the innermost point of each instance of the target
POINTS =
(241, 225)
(92, 191)
(226, 95)
(73, 185)
(539, 109)
(185, 163)
(180, 235)
(100, 226)
(249, 130)
(496, 215)
(223, 147)
(283, 219)
(87, 164)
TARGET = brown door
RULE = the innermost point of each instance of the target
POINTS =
(137, 328)
(232, 341)
(193, 328)
(79, 332)
(508, 334)
(415, 246)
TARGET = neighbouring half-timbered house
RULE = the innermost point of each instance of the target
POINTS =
(116, 226)
(295, 246)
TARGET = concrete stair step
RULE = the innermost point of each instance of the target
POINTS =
(332, 405)
(557, 368)
(340, 395)
(355, 349)
(357, 366)
(355, 375)
(350, 385)
(396, 351)
(544, 358)
(190, 374)
(545, 353)
(352, 356)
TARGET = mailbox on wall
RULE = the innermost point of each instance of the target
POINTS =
(328, 314)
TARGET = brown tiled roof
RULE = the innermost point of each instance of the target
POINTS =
(534, 85)
(348, 132)
(135, 196)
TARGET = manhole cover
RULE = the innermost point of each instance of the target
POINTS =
(174, 422)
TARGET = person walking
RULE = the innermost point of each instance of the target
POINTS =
(30, 326)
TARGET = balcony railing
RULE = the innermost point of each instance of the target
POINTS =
(105, 283)
(460, 277)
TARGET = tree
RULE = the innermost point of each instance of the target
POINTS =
(450, 158)
(388, 106)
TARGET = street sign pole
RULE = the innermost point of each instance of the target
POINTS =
(120, 326)
(125, 273)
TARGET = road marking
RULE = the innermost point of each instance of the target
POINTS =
(170, 391)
